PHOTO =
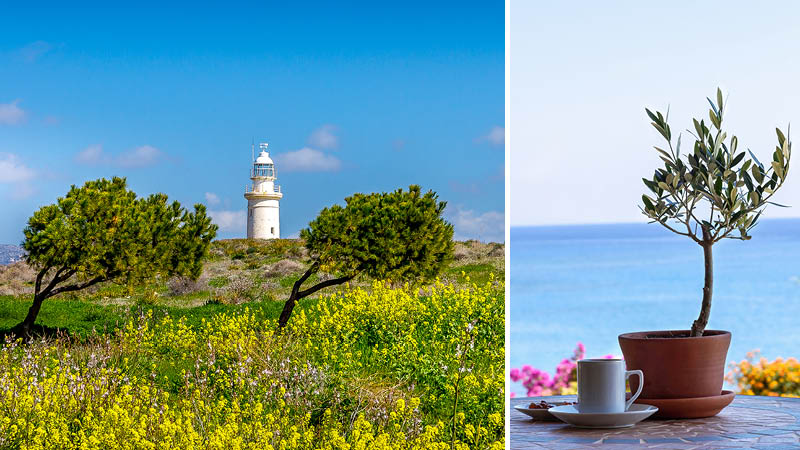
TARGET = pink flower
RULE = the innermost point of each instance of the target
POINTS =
(539, 382)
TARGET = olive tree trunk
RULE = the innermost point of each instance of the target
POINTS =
(699, 325)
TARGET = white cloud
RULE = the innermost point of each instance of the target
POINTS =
(34, 50)
(487, 227)
(93, 155)
(307, 160)
(212, 198)
(12, 170)
(139, 157)
(143, 156)
(229, 220)
(495, 136)
(324, 138)
(11, 114)
(16, 174)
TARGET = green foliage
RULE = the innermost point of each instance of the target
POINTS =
(399, 236)
(103, 232)
(735, 188)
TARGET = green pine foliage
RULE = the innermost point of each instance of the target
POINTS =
(103, 232)
(398, 236)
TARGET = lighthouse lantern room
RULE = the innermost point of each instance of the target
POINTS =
(263, 198)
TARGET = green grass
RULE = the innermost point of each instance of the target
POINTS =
(478, 273)
(79, 317)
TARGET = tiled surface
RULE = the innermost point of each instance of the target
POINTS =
(750, 422)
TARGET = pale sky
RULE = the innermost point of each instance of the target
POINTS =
(583, 72)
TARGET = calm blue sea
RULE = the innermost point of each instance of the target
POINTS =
(589, 283)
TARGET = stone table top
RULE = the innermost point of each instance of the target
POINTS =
(751, 422)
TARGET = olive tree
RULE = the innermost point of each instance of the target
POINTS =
(103, 232)
(399, 236)
(712, 192)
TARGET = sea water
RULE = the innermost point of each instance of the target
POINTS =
(590, 283)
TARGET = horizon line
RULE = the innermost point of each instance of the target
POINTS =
(582, 224)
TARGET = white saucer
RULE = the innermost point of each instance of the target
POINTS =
(571, 415)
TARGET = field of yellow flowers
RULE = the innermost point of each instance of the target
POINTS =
(378, 368)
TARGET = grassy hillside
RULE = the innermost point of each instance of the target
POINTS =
(259, 274)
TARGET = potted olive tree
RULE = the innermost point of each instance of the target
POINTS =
(712, 192)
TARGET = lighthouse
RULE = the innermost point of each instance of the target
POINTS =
(263, 199)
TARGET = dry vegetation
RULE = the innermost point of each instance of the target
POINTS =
(241, 270)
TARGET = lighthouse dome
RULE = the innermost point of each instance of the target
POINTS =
(263, 158)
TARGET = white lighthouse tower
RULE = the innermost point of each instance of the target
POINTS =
(263, 199)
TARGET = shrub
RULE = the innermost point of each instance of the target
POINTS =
(778, 378)
(182, 286)
(239, 290)
(283, 268)
(218, 282)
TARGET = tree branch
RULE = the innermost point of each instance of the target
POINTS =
(61, 274)
(664, 222)
(302, 279)
(323, 285)
(77, 287)
(39, 278)
(689, 215)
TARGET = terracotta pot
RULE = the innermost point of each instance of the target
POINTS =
(676, 365)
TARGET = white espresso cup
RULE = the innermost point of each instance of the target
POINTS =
(601, 386)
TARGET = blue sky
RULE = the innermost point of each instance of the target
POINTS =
(583, 72)
(351, 96)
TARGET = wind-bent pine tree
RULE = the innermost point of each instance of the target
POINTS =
(398, 236)
(733, 189)
(103, 232)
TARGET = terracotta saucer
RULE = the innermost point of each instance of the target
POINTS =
(688, 408)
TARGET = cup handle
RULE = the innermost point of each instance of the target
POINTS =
(628, 373)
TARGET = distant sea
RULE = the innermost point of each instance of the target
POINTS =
(590, 283)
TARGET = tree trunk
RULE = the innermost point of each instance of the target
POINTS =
(27, 325)
(699, 325)
(288, 307)
(286, 313)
